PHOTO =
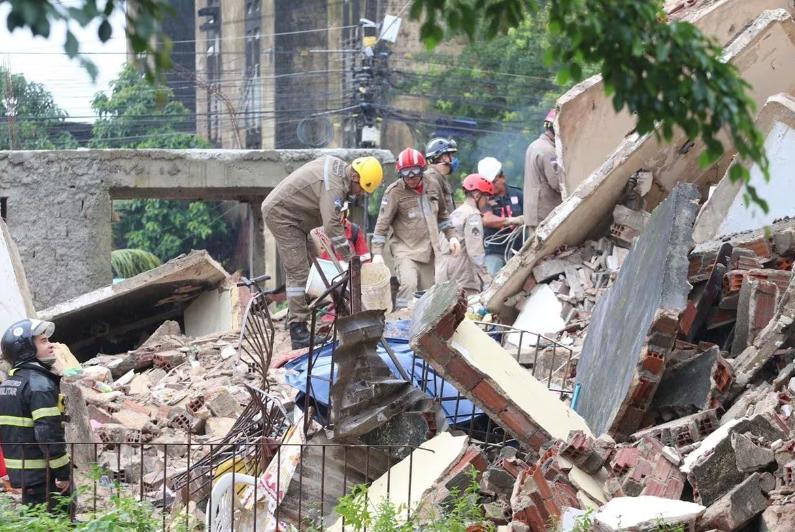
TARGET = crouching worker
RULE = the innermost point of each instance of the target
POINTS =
(468, 268)
(31, 416)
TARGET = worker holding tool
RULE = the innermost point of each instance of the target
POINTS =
(468, 269)
(32, 416)
(354, 234)
(440, 153)
(543, 175)
(312, 196)
(414, 208)
(502, 219)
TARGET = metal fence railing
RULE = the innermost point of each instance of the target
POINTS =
(297, 488)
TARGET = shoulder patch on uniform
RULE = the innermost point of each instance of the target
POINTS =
(514, 200)
(338, 167)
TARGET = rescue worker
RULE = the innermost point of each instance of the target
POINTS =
(503, 213)
(468, 269)
(313, 196)
(543, 175)
(31, 415)
(440, 153)
(415, 210)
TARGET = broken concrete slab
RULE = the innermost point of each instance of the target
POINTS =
(684, 431)
(754, 358)
(541, 315)
(485, 373)
(725, 211)
(755, 308)
(645, 513)
(634, 325)
(700, 383)
(735, 509)
(749, 456)
(778, 517)
(417, 475)
(771, 36)
(215, 311)
(16, 303)
(112, 319)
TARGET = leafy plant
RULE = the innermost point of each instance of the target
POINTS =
(37, 118)
(127, 263)
(143, 18)
(668, 75)
(457, 515)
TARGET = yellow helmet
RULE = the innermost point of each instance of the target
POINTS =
(370, 173)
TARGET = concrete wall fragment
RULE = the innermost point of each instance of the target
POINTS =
(485, 373)
(757, 52)
(588, 127)
(725, 211)
(15, 303)
(635, 324)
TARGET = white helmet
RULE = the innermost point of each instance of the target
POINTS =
(490, 168)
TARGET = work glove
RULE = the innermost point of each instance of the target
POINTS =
(515, 220)
(378, 259)
(455, 247)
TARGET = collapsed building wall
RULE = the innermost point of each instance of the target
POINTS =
(757, 52)
(15, 302)
(67, 251)
(588, 127)
(725, 212)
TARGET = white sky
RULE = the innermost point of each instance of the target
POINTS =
(44, 61)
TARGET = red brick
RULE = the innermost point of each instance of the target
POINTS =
(642, 392)
(654, 488)
(531, 517)
(653, 362)
(462, 374)
(663, 469)
(493, 400)
(624, 459)
(674, 488)
(520, 426)
(641, 471)
(437, 349)
(541, 484)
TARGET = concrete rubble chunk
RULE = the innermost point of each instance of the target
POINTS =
(778, 517)
(631, 332)
(222, 404)
(692, 386)
(749, 456)
(646, 513)
(755, 308)
(736, 508)
(485, 373)
(682, 432)
(754, 358)
(368, 402)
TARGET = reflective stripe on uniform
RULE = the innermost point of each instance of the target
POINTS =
(325, 174)
(45, 412)
(37, 463)
(378, 239)
(14, 421)
(445, 224)
(295, 291)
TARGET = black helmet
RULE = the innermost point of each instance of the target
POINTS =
(17, 344)
(438, 147)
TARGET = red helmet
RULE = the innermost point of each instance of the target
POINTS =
(551, 115)
(477, 182)
(410, 158)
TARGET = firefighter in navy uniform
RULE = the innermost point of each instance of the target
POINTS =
(32, 415)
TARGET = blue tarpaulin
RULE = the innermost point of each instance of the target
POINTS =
(457, 408)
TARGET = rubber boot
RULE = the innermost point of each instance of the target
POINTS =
(299, 335)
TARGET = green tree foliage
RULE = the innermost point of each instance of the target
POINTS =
(140, 114)
(502, 83)
(142, 17)
(668, 75)
(37, 119)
